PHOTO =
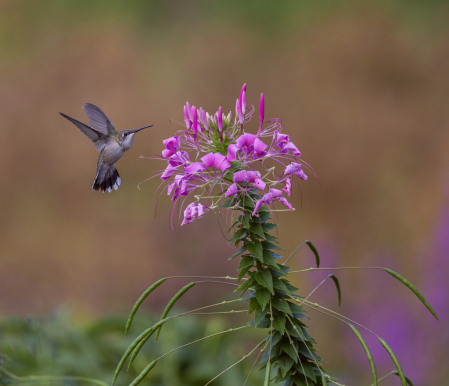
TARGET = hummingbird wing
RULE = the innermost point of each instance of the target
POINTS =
(98, 120)
(99, 139)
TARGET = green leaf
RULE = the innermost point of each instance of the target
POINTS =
(238, 235)
(315, 252)
(267, 258)
(290, 287)
(143, 374)
(271, 238)
(279, 322)
(367, 352)
(289, 350)
(242, 249)
(281, 305)
(337, 284)
(139, 302)
(243, 273)
(285, 364)
(260, 315)
(263, 297)
(247, 261)
(244, 286)
(280, 285)
(306, 369)
(270, 245)
(406, 378)
(257, 229)
(296, 308)
(245, 220)
(395, 361)
(256, 249)
(413, 289)
(264, 216)
(172, 302)
(268, 226)
(267, 278)
(276, 256)
(253, 305)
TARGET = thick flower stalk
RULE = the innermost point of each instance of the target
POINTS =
(214, 164)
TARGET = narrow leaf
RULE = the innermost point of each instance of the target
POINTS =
(395, 361)
(139, 302)
(172, 302)
(266, 275)
(143, 374)
(367, 352)
(270, 245)
(253, 305)
(315, 252)
(247, 261)
(281, 305)
(139, 346)
(413, 289)
(257, 229)
(337, 284)
(242, 249)
(406, 378)
(256, 249)
(263, 297)
(243, 273)
(260, 315)
(268, 226)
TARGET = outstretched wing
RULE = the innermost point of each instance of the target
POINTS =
(98, 119)
(98, 138)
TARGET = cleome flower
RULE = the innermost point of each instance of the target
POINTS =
(213, 158)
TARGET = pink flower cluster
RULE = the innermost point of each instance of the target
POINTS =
(215, 158)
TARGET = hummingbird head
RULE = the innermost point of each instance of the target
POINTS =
(126, 137)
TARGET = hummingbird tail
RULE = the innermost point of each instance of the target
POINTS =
(107, 178)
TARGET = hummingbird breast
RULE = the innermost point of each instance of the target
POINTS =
(112, 152)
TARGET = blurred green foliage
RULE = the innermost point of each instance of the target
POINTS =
(55, 346)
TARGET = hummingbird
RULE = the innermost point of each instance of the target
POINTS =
(110, 143)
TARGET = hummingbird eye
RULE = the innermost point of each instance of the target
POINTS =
(125, 134)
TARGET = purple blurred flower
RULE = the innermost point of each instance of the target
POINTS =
(288, 186)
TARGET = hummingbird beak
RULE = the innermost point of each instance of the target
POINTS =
(135, 131)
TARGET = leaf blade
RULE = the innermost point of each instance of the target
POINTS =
(367, 352)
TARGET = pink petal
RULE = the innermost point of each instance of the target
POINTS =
(231, 190)
(225, 165)
(288, 186)
(259, 184)
(284, 201)
(275, 193)
(209, 159)
(219, 158)
(252, 175)
(194, 120)
(168, 152)
(259, 147)
(168, 172)
(195, 167)
(290, 146)
(232, 150)
(240, 176)
(259, 203)
(301, 175)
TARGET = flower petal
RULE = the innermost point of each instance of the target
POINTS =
(240, 176)
(252, 175)
(209, 159)
(259, 147)
(288, 186)
(275, 193)
(195, 167)
(231, 190)
(290, 146)
(232, 150)
(284, 201)
(259, 184)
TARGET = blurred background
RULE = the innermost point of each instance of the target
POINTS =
(363, 91)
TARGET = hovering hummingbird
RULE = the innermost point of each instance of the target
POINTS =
(108, 142)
